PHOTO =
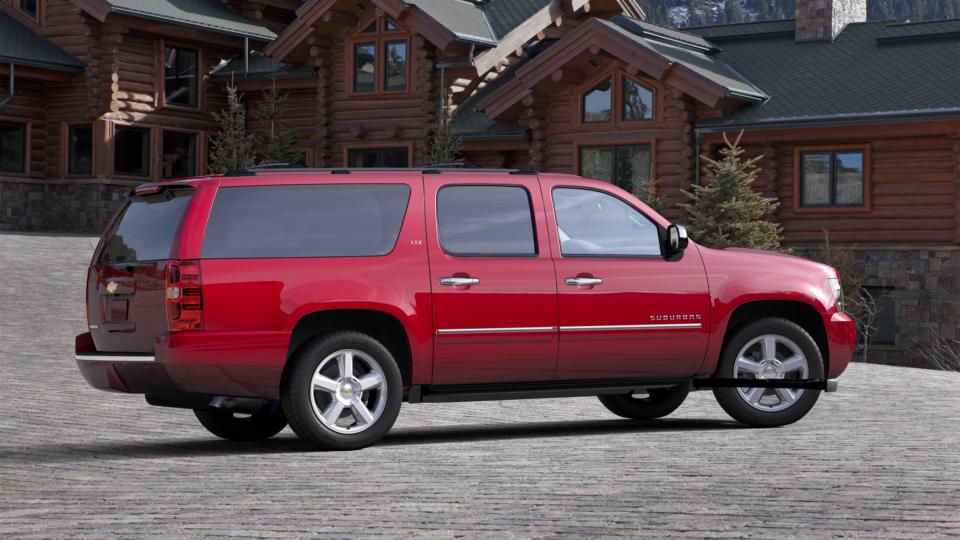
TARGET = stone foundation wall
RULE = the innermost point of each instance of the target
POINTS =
(60, 206)
(924, 283)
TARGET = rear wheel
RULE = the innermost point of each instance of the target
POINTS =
(653, 403)
(342, 391)
(768, 349)
(244, 427)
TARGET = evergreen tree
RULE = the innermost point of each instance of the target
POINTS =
(275, 143)
(726, 210)
(231, 149)
(651, 195)
(446, 146)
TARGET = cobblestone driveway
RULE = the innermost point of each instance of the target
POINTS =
(879, 459)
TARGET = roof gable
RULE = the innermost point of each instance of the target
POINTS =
(685, 62)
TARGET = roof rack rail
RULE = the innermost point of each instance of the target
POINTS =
(430, 169)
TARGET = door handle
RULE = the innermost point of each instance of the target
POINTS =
(583, 281)
(459, 281)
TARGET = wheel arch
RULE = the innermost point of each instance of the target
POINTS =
(380, 325)
(803, 314)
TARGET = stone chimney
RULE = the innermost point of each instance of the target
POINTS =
(823, 20)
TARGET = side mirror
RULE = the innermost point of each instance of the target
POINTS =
(677, 240)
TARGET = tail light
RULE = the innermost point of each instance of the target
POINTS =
(184, 296)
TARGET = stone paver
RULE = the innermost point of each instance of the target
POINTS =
(880, 459)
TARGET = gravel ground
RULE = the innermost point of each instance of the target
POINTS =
(879, 459)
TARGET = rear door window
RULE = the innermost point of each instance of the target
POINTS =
(146, 228)
(329, 220)
(486, 221)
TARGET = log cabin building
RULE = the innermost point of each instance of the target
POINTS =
(857, 123)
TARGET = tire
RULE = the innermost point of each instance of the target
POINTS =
(333, 414)
(254, 427)
(658, 402)
(769, 407)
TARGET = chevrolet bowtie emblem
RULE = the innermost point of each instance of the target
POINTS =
(112, 287)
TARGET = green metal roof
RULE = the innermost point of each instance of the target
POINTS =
(22, 46)
(211, 15)
(259, 67)
(464, 19)
(871, 70)
(480, 21)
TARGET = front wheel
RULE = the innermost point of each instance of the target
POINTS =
(769, 349)
(653, 403)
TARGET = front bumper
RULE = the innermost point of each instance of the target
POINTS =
(842, 340)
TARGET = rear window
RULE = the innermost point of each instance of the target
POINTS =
(485, 221)
(146, 228)
(338, 220)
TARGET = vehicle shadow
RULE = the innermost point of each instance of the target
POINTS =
(286, 443)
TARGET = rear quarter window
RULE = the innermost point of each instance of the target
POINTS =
(146, 228)
(329, 220)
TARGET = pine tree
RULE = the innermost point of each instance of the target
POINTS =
(231, 149)
(275, 143)
(726, 211)
(651, 195)
(446, 146)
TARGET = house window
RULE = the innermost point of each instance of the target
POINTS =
(179, 155)
(832, 179)
(13, 147)
(80, 149)
(625, 166)
(364, 68)
(395, 66)
(180, 76)
(596, 103)
(617, 98)
(30, 7)
(380, 58)
(637, 101)
(378, 157)
(131, 151)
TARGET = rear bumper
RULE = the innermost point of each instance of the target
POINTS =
(215, 363)
(842, 339)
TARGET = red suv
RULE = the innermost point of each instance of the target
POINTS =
(325, 298)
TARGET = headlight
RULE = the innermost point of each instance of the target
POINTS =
(837, 291)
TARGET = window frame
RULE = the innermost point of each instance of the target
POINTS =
(160, 83)
(379, 39)
(832, 207)
(617, 74)
(377, 146)
(661, 231)
(27, 135)
(39, 18)
(198, 149)
(65, 144)
(533, 225)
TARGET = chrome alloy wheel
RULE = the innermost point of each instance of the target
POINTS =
(348, 392)
(767, 357)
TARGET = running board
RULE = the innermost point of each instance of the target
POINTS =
(827, 385)
(531, 390)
